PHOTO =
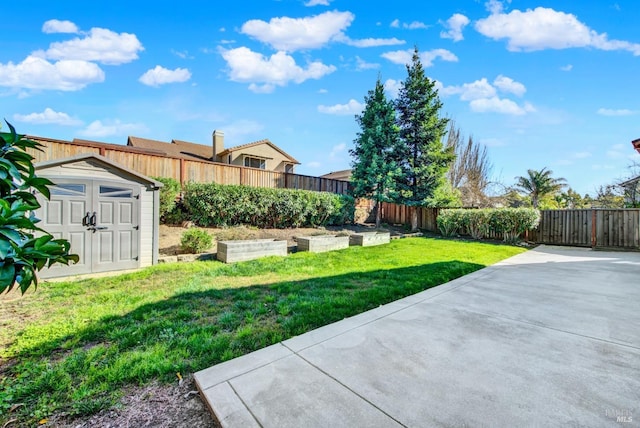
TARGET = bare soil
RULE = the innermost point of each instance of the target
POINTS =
(152, 406)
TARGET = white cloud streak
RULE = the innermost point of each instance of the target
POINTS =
(616, 112)
(353, 107)
(265, 73)
(39, 74)
(404, 56)
(56, 26)
(111, 128)
(545, 28)
(161, 76)
(48, 116)
(454, 27)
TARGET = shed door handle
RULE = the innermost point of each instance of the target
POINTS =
(86, 219)
(92, 220)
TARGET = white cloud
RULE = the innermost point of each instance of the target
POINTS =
(414, 25)
(38, 73)
(239, 130)
(495, 6)
(351, 108)
(277, 70)
(291, 34)
(364, 65)
(110, 128)
(314, 164)
(322, 91)
(545, 28)
(581, 155)
(392, 87)
(160, 76)
(469, 91)
(311, 3)
(507, 84)
(182, 54)
(57, 26)
(336, 150)
(370, 42)
(499, 105)
(100, 45)
(48, 116)
(454, 26)
(404, 56)
(567, 67)
(616, 112)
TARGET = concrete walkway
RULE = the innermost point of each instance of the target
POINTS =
(547, 338)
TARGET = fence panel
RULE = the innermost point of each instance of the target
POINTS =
(618, 228)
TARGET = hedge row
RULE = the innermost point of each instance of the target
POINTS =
(509, 223)
(228, 205)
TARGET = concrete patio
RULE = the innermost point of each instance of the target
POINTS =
(547, 338)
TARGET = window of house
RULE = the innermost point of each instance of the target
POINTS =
(229, 159)
(254, 162)
(288, 168)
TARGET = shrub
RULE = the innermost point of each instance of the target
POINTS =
(449, 222)
(168, 195)
(509, 223)
(476, 222)
(228, 205)
(195, 241)
(512, 222)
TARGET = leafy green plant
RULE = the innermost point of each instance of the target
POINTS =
(24, 247)
(195, 240)
(512, 222)
(476, 222)
(214, 204)
(169, 193)
(449, 222)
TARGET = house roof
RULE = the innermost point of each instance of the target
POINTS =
(636, 144)
(257, 143)
(344, 174)
(176, 148)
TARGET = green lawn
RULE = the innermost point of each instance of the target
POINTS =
(72, 346)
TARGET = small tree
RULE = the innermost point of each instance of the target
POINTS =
(22, 252)
(538, 184)
(375, 171)
(425, 160)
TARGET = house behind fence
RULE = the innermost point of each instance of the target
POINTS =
(189, 162)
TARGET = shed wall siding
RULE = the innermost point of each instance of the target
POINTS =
(146, 231)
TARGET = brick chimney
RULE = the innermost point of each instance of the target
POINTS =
(218, 145)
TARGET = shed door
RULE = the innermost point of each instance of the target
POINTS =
(101, 220)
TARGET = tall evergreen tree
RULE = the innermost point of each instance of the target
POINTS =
(425, 160)
(375, 172)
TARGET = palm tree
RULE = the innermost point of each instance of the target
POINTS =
(539, 183)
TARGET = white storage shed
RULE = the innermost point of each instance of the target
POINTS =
(109, 214)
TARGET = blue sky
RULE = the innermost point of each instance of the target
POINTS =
(541, 83)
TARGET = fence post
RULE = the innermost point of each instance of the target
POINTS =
(593, 228)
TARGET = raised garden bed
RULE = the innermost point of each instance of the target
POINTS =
(368, 239)
(322, 243)
(238, 251)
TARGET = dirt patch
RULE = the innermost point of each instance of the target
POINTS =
(170, 235)
(152, 406)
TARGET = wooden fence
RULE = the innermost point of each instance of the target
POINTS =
(186, 170)
(596, 228)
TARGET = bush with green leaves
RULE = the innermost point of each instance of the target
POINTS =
(509, 223)
(513, 222)
(450, 222)
(195, 240)
(169, 193)
(214, 204)
(24, 247)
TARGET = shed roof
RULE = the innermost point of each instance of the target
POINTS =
(101, 160)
